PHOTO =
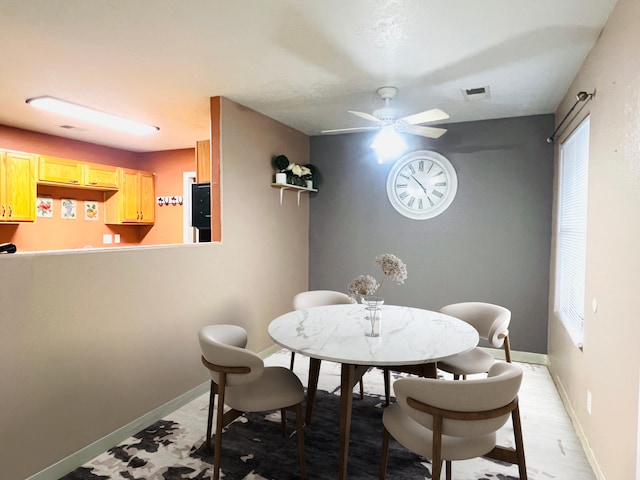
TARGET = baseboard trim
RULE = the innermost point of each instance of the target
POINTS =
(577, 427)
(517, 356)
(100, 446)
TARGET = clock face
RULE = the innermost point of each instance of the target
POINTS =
(422, 184)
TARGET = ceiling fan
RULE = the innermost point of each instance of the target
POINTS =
(388, 117)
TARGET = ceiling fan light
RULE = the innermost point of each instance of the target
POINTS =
(87, 114)
(388, 143)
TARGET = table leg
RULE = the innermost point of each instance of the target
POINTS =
(346, 399)
(312, 388)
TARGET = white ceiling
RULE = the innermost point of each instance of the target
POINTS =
(304, 63)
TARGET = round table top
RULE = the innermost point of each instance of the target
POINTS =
(409, 336)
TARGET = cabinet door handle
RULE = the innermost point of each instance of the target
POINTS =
(3, 210)
(10, 211)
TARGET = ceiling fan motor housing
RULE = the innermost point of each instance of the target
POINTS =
(386, 114)
(387, 92)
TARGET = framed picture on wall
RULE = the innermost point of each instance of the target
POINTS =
(91, 210)
(68, 208)
(44, 207)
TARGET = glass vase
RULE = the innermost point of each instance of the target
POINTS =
(373, 314)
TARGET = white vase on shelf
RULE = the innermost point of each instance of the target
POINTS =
(281, 178)
(309, 183)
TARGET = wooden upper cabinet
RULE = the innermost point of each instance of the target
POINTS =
(203, 161)
(73, 173)
(104, 177)
(147, 197)
(17, 187)
(60, 171)
(134, 202)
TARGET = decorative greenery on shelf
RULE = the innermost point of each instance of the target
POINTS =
(296, 174)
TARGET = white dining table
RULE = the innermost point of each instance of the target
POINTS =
(338, 333)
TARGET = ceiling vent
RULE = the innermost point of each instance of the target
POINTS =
(478, 93)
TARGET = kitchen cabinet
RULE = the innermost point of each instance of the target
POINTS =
(203, 161)
(134, 202)
(103, 177)
(60, 171)
(17, 187)
(72, 173)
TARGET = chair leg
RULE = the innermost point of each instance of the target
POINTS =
(448, 467)
(361, 390)
(517, 433)
(300, 434)
(384, 458)
(387, 386)
(212, 398)
(436, 469)
(293, 357)
(219, 425)
(507, 349)
(436, 457)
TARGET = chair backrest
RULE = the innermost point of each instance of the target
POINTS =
(319, 298)
(499, 389)
(491, 321)
(224, 345)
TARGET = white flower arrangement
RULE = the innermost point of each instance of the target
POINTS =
(366, 285)
(299, 170)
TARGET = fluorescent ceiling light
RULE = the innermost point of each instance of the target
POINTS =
(90, 115)
(388, 143)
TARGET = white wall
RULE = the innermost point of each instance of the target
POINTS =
(92, 340)
(608, 364)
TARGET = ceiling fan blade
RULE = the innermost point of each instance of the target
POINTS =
(366, 116)
(431, 132)
(354, 129)
(432, 115)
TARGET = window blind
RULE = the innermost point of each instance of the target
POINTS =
(572, 231)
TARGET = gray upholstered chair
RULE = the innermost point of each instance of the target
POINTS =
(492, 323)
(446, 420)
(242, 382)
(319, 298)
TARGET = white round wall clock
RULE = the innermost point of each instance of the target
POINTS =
(422, 184)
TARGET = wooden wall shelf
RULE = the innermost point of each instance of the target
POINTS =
(297, 188)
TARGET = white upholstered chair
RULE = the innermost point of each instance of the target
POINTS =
(492, 323)
(319, 298)
(244, 384)
(447, 420)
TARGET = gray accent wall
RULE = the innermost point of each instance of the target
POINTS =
(492, 244)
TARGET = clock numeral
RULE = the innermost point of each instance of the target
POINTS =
(420, 206)
(430, 202)
(438, 174)
(403, 195)
(413, 170)
(438, 194)
(401, 185)
(430, 167)
(421, 166)
(404, 176)
(441, 184)
(411, 202)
